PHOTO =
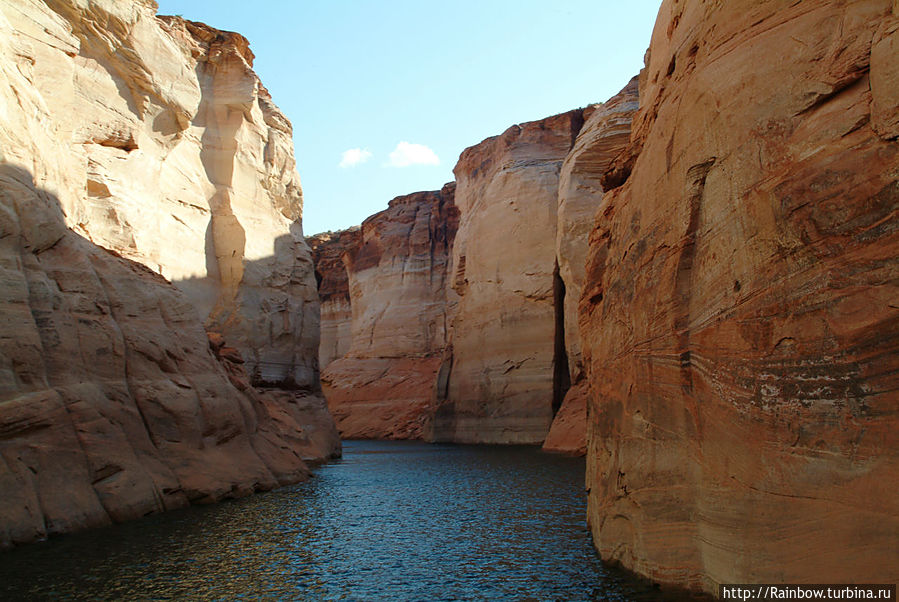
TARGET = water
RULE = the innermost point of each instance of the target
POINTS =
(391, 520)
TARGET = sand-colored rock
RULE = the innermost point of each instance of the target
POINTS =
(333, 291)
(497, 384)
(739, 319)
(171, 153)
(396, 277)
(112, 405)
(114, 127)
(605, 134)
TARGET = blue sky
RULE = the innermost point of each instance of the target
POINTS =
(383, 96)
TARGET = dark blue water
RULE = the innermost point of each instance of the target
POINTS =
(390, 521)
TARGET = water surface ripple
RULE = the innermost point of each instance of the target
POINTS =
(391, 520)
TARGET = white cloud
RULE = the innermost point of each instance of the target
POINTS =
(354, 156)
(406, 154)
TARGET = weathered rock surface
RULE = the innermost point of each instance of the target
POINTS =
(381, 398)
(396, 277)
(153, 138)
(333, 291)
(173, 155)
(739, 321)
(605, 134)
(111, 404)
(527, 199)
(568, 432)
(497, 384)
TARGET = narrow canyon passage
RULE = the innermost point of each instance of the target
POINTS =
(693, 284)
(420, 521)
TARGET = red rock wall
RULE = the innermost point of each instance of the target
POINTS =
(568, 432)
(739, 320)
(514, 346)
(395, 273)
(334, 291)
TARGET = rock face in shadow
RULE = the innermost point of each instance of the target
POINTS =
(497, 384)
(112, 405)
(396, 270)
(121, 130)
(605, 134)
(739, 319)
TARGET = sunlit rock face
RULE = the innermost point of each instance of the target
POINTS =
(133, 146)
(396, 273)
(172, 154)
(739, 321)
(497, 383)
(605, 134)
(473, 337)
(334, 291)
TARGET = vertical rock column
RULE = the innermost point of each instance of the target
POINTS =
(496, 383)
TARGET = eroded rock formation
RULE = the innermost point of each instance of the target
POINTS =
(491, 357)
(497, 381)
(605, 134)
(153, 138)
(396, 276)
(739, 318)
(176, 157)
(334, 291)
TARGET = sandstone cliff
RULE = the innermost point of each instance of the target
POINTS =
(739, 319)
(496, 382)
(172, 154)
(605, 133)
(153, 138)
(396, 275)
(497, 344)
(328, 249)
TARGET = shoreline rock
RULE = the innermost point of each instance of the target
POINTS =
(132, 149)
(739, 344)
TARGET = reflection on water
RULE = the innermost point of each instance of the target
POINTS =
(391, 520)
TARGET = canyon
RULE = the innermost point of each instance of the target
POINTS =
(494, 352)
(159, 307)
(694, 284)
